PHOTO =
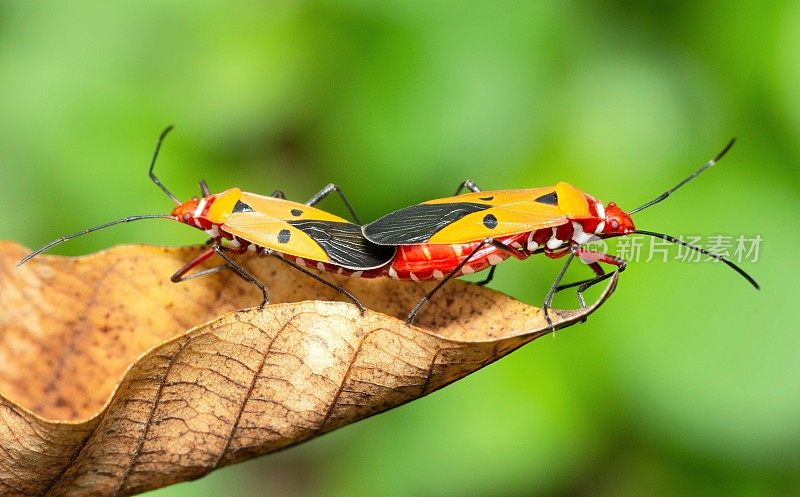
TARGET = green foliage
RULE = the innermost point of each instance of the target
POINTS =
(686, 383)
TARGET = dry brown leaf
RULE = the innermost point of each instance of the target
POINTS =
(103, 391)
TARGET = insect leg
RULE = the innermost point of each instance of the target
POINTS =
(220, 250)
(601, 275)
(488, 278)
(206, 272)
(598, 271)
(179, 274)
(514, 253)
(321, 280)
(595, 281)
(451, 274)
(469, 185)
(204, 189)
(597, 258)
(548, 300)
(330, 188)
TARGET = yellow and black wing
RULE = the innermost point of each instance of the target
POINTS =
(469, 217)
(303, 231)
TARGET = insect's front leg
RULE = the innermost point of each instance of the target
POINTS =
(221, 251)
(593, 259)
(181, 276)
(557, 253)
(201, 258)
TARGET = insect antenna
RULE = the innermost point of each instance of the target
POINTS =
(88, 230)
(124, 219)
(689, 178)
(153, 164)
(702, 251)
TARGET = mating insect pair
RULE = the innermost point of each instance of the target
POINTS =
(436, 240)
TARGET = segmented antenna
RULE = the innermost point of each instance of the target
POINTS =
(730, 264)
(153, 164)
(87, 230)
(691, 177)
(118, 221)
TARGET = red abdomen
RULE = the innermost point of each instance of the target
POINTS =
(433, 261)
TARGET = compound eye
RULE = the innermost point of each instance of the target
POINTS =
(186, 217)
(614, 224)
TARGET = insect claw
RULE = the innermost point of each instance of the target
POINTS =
(581, 299)
(413, 313)
(552, 327)
(352, 297)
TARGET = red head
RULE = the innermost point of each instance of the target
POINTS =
(184, 212)
(618, 222)
(596, 219)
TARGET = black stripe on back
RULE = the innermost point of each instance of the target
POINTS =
(418, 223)
(345, 244)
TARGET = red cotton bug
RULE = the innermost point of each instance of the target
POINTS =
(448, 237)
(294, 233)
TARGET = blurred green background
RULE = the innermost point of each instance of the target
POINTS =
(686, 383)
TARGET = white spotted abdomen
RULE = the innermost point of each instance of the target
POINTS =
(428, 262)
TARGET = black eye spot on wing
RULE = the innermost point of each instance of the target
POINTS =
(548, 199)
(242, 207)
(284, 236)
(296, 212)
(486, 199)
(490, 221)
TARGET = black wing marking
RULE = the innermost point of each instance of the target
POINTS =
(345, 244)
(548, 199)
(418, 223)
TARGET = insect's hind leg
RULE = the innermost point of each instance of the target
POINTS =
(327, 190)
(322, 280)
(456, 270)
